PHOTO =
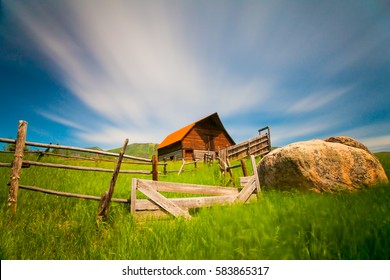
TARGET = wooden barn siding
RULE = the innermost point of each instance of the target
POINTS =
(174, 154)
(173, 150)
(197, 139)
(199, 154)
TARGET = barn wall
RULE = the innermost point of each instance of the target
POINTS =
(168, 152)
(201, 138)
(206, 135)
(171, 155)
(194, 140)
(199, 154)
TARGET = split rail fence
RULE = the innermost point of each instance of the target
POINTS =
(19, 163)
(178, 207)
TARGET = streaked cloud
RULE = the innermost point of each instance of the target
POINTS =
(143, 69)
(316, 100)
(61, 120)
(379, 143)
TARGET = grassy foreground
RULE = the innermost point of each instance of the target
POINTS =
(279, 226)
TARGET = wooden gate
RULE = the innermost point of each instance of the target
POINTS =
(178, 207)
(257, 146)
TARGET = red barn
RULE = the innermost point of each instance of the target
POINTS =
(207, 135)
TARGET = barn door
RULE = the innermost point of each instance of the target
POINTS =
(188, 153)
(210, 143)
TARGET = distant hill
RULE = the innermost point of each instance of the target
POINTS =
(144, 150)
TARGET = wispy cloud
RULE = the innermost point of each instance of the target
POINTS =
(61, 120)
(317, 100)
(131, 63)
(146, 69)
(286, 133)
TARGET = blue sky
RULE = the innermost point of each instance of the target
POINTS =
(92, 73)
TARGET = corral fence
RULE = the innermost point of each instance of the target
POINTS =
(179, 207)
(156, 202)
(257, 146)
(254, 147)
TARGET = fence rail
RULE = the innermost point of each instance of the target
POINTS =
(18, 163)
(178, 207)
(61, 147)
(83, 168)
(257, 146)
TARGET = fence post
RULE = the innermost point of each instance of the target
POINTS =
(256, 174)
(165, 166)
(269, 138)
(182, 166)
(244, 169)
(230, 172)
(154, 168)
(105, 201)
(133, 196)
(17, 165)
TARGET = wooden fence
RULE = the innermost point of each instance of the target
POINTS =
(178, 207)
(19, 163)
(257, 146)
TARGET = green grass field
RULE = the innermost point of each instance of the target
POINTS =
(280, 225)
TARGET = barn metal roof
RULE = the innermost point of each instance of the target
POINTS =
(182, 132)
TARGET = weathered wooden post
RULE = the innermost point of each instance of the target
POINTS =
(256, 174)
(17, 165)
(165, 166)
(182, 166)
(154, 168)
(244, 169)
(105, 201)
(269, 138)
(133, 195)
(194, 159)
(229, 168)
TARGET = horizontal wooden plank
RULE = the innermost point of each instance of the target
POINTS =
(76, 149)
(198, 202)
(238, 150)
(192, 202)
(161, 200)
(191, 188)
(261, 139)
(83, 168)
(67, 194)
(6, 140)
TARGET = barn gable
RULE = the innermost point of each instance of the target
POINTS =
(206, 135)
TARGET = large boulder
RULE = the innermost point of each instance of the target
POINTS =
(319, 166)
(347, 141)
